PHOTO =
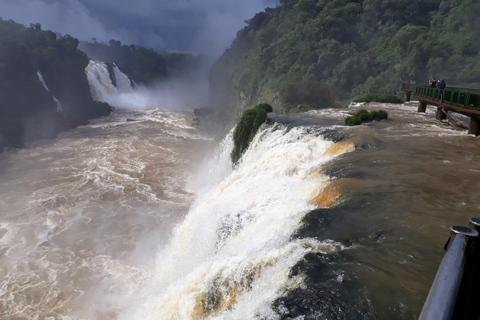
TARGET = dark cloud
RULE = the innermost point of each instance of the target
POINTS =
(206, 26)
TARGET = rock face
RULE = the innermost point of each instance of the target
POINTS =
(43, 84)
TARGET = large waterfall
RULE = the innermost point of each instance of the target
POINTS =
(232, 256)
(103, 88)
(138, 215)
(174, 94)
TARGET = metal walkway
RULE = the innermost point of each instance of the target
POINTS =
(461, 100)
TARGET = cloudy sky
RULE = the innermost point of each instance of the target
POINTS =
(206, 26)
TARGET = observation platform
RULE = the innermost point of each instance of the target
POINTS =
(451, 99)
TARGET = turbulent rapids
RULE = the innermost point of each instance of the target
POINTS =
(138, 215)
(232, 255)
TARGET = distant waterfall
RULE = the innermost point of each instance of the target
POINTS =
(124, 84)
(108, 84)
(59, 106)
(102, 86)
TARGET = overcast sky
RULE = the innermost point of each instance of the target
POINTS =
(205, 26)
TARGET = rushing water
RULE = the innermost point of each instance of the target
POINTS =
(59, 105)
(82, 216)
(136, 216)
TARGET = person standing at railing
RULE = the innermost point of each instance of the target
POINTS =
(441, 84)
(432, 82)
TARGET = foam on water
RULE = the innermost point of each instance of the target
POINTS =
(87, 221)
(232, 255)
(81, 214)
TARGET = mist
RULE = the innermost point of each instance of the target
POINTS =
(182, 92)
(174, 95)
(201, 26)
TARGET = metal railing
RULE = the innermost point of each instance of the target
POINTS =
(454, 292)
(462, 97)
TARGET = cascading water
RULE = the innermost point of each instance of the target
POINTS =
(124, 84)
(231, 257)
(102, 87)
(114, 219)
(174, 94)
(40, 77)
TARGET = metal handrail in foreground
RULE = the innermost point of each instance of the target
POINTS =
(452, 276)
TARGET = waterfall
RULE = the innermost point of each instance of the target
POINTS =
(124, 93)
(101, 85)
(232, 259)
(40, 77)
(121, 94)
(124, 84)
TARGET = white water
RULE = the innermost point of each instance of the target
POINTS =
(81, 215)
(101, 86)
(174, 95)
(101, 223)
(231, 257)
(40, 77)
(123, 82)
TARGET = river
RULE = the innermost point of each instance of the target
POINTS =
(138, 215)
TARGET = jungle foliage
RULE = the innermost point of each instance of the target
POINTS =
(322, 53)
(27, 109)
(247, 127)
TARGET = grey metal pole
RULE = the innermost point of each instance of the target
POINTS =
(441, 300)
(474, 223)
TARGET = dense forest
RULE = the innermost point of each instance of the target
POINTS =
(308, 54)
(31, 58)
(27, 110)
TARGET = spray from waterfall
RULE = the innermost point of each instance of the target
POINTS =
(232, 255)
(40, 77)
(101, 85)
(173, 95)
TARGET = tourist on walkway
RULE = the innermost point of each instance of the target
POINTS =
(441, 84)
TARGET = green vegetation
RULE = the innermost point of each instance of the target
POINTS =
(376, 97)
(364, 116)
(27, 110)
(247, 127)
(264, 106)
(308, 54)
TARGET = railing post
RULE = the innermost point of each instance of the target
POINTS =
(442, 298)
(474, 127)
(422, 106)
(440, 115)
(408, 95)
(467, 302)
(474, 223)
